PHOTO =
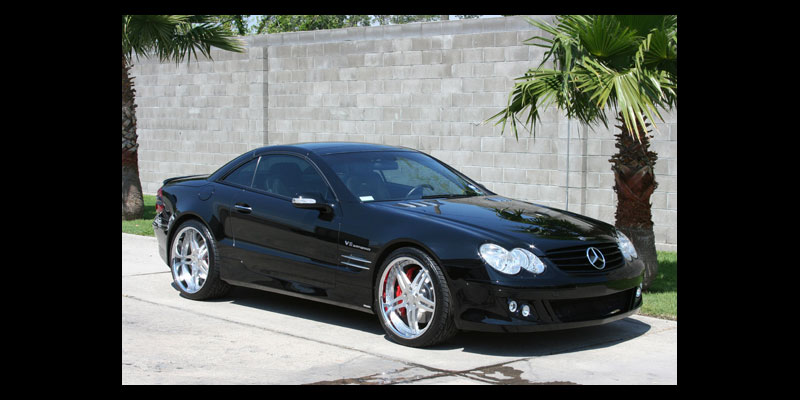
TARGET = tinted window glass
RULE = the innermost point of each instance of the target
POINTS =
(287, 176)
(242, 175)
(375, 176)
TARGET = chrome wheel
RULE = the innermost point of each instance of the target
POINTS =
(407, 298)
(189, 260)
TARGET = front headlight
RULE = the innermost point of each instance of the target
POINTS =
(626, 247)
(510, 262)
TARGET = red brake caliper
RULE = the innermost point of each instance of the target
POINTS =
(410, 274)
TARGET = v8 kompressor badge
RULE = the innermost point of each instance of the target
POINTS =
(351, 244)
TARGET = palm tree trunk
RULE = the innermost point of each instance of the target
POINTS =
(132, 201)
(634, 183)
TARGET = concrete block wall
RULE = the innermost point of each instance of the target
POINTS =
(193, 118)
(427, 86)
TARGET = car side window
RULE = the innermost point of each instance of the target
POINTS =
(287, 176)
(242, 175)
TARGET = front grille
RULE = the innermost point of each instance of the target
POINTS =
(575, 310)
(573, 259)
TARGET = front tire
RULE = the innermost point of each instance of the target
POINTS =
(194, 263)
(413, 300)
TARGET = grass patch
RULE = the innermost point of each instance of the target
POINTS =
(661, 299)
(143, 226)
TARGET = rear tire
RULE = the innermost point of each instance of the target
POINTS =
(412, 299)
(194, 263)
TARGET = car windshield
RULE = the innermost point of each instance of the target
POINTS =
(398, 175)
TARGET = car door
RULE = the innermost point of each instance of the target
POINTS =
(286, 247)
(224, 193)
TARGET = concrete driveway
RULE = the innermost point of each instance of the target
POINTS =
(255, 337)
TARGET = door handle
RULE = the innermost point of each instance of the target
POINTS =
(243, 208)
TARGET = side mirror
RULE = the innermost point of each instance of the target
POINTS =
(311, 201)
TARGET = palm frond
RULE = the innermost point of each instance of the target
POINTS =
(628, 63)
(537, 89)
(143, 34)
(202, 36)
(174, 37)
(642, 23)
(564, 46)
(605, 37)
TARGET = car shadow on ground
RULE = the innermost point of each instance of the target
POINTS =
(535, 344)
(498, 344)
(302, 308)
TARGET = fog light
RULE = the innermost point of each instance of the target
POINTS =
(512, 306)
(526, 310)
(639, 291)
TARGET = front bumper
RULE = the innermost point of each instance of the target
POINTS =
(485, 307)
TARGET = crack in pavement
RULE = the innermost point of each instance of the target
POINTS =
(497, 374)
(384, 378)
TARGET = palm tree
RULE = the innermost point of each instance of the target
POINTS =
(170, 37)
(625, 62)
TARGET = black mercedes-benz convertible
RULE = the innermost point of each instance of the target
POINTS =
(394, 232)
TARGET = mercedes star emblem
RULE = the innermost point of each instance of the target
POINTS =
(596, 258)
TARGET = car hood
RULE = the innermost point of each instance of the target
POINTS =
(544, 227)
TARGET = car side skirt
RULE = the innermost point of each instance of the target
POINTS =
(300, 295)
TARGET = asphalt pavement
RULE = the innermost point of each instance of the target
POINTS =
(256, 337)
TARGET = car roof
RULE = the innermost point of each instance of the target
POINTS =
(324, 148)
(318, 148)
